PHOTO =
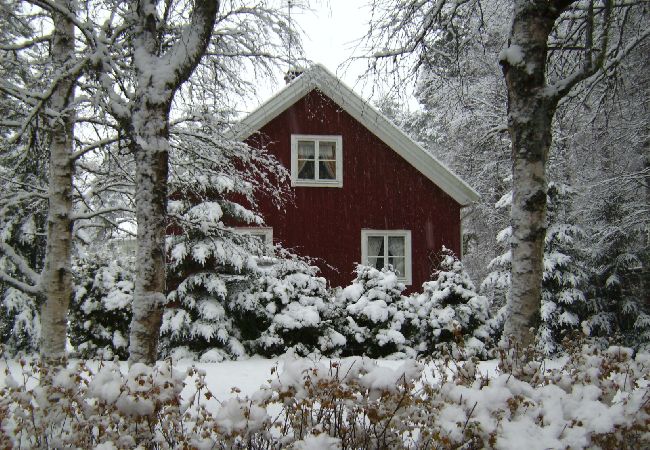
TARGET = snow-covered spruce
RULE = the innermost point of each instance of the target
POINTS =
(21, 233)
(618, 279)
(100, 310)
(216, 183)
(20, 324)
(564, 304)
(449, 312)
(287, 306)
(375, 315)
(197, 320)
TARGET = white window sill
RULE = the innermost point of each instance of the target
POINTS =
(311, 183)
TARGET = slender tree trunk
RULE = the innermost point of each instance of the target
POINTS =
(56, 280)
(151, 155)
(530, 113)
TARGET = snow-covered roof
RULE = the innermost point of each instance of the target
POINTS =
(319, 77)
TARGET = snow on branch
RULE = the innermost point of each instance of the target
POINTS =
(22, 266)
(99, 212)
(186, 53)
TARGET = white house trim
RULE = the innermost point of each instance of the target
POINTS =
(407, 277)
(337, 139)
(319, 77)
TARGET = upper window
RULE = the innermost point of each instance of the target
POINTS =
(316, 160)
(381, 248)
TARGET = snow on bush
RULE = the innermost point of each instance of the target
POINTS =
(449, 312)
(100, 310)
(287, 306)
(598, 398)
(374, 314)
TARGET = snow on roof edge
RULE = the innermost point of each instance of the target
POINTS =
(319, 77)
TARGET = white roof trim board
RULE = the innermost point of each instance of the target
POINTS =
(319, 77)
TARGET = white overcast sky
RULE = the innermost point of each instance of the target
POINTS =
(331, 29)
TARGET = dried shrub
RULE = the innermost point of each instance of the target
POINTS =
(596, 398)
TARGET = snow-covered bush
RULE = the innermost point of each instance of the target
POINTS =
(374, 314)
(597, 398)
(287, 306)
(449, 311)
(351, 403)
(82, 407)
(100, 310)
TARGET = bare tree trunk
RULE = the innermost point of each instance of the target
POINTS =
(530, 113)
(158, 76)
(151, 155)
(56, 281)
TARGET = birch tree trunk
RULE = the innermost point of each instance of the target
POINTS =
(158, 76)
(530, 114)
(56, 280)
(151, 156)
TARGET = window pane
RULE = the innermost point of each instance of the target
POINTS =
(327, 170)
(396, 246)
(327, 150)
(259, 235)
(398, 264)
(377, 263)
(306, 150)
(305, 170)
(375, 246)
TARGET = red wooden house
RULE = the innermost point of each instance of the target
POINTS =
(364, 191)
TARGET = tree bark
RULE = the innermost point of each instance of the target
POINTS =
(56, 279)
(158, 76)
(530, 114)
(151, 156)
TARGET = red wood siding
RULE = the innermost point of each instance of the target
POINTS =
(380, 191)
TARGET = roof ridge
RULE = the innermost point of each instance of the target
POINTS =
(317, 76)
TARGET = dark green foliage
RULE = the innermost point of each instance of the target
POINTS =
(449, 311)
(287, 307)
(618, 295)
(374, 314)
(100, 311)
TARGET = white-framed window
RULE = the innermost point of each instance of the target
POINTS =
(316, 161)
(264, 234)
(380, 248)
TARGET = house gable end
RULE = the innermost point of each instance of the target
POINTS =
(317, 77)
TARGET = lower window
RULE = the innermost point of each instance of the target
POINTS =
(264, 234)
(381, 248)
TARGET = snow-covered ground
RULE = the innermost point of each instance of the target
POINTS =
(244, 377)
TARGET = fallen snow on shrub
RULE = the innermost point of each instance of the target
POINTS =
(591, 399)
